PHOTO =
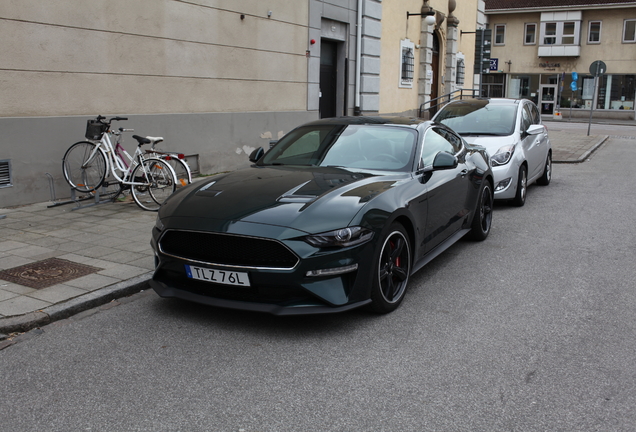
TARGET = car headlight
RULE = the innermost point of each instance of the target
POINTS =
(343, 237)
(159, 225)
(503, 155)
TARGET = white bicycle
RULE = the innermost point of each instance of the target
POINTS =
(85, 164)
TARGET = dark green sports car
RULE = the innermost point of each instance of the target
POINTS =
(337, 215)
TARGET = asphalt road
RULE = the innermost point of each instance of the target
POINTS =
(532, 330)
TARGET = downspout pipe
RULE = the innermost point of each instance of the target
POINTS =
(356, 108)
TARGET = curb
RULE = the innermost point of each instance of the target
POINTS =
(56, 312)
(585, 155)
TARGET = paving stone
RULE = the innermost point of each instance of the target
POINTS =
(57, 293)
(20, 305)
(6, 295)
(92, 282)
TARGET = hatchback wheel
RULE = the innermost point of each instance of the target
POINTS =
(544, 180)
(522, 187)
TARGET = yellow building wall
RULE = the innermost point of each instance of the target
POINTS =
(396, 27)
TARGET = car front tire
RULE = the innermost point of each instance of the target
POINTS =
(544, 180)
(482, 220)
(392, 267)
(522, 187)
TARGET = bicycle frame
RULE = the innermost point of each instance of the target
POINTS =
(115, 162)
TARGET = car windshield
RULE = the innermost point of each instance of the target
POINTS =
(481, 118)
(371, 147)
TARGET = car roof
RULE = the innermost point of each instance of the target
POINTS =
(494, 101)
(369, 120)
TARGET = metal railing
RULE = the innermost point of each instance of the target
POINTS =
(439, 102)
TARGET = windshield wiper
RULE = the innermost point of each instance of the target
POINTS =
(480, 134)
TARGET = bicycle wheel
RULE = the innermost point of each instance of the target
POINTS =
(158, 180)
(181, 170)
(82, 174)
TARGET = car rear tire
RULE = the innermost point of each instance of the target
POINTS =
(482, 220)
(391, 270)
(544, 180)
(522, 187)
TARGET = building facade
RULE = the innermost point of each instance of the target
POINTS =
(544, 50)
(215, 78)
(424, 59)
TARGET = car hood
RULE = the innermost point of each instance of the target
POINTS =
(311, 200)
(491, 143)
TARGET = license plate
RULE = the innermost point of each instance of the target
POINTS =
(224, 277)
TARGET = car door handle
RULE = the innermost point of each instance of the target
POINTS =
(463, 173)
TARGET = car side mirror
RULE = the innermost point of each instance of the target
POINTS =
(257, 154)
(444, 161)
(535, 129)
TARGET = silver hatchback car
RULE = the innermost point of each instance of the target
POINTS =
(517, 142)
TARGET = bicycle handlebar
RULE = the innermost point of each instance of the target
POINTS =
(100, 118)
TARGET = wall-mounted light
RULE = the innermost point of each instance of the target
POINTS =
(430, 16)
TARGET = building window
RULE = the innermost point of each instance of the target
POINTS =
(629, 31)
(594, 32)
(460, 71)
(530, 34)
(500, 34)
(568, 33)
(560, 33)
(407, 65)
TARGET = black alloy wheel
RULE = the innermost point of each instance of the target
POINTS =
(392, 270)
(482, 220)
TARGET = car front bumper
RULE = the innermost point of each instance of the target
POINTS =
(276, 291)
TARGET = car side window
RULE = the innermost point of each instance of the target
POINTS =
(526, 118)
(436, 140)
(536, 117)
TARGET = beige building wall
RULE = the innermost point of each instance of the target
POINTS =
(147, 56)
(396, 27)
(468, 15)
(619, 57)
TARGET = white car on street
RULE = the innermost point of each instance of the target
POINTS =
(512, 133)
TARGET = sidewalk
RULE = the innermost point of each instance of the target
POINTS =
(103, 252)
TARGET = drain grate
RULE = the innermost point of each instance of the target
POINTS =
(43, 274)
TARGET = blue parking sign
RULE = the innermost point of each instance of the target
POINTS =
(494, 64)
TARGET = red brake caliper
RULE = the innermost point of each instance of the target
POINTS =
(397, 260)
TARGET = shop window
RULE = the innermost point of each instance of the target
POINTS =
(629, 31)
(408, 63)
(530, 34)
(594, 32)
(500, 34)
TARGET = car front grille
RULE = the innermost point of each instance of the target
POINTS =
(227, 249)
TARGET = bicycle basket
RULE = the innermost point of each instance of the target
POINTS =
(95, 129)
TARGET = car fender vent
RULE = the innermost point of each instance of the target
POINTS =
(5, 173)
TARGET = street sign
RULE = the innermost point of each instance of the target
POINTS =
(598, 68)
(575, 76)
(573, 86)
(494, 64)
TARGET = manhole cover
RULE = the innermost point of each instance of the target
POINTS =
(43, 274)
